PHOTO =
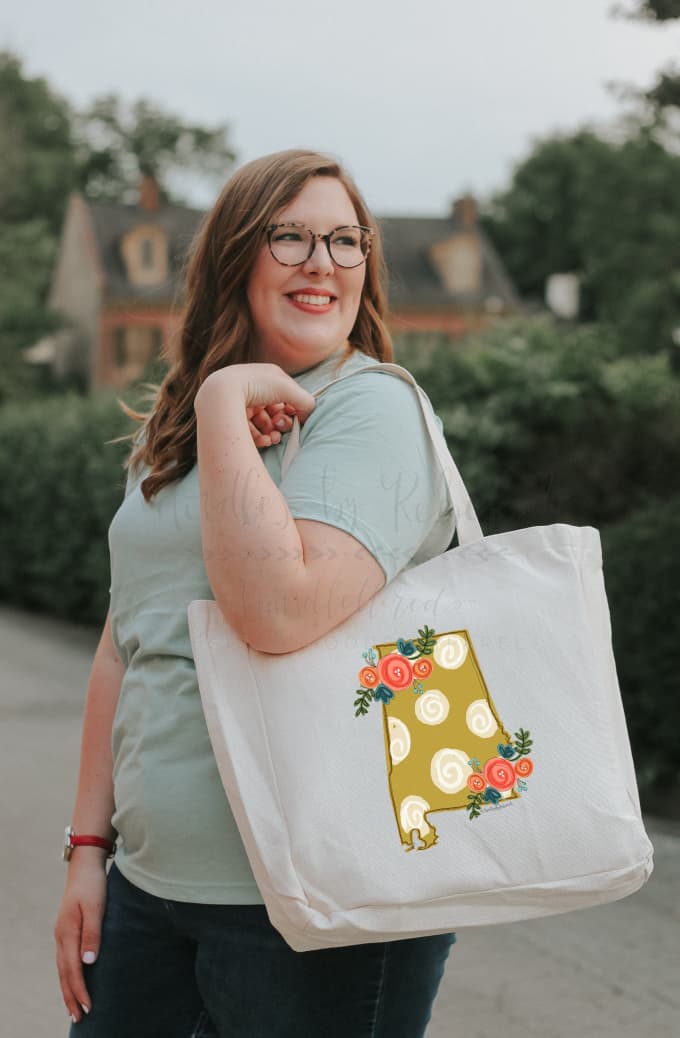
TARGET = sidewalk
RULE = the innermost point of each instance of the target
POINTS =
(610, 972)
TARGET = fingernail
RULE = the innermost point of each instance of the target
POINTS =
(280, 423)
(72, 1018)
(86, 1009)
(89, 957)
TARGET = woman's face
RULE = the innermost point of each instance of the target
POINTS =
(291, 330)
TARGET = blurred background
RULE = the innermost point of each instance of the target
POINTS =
(523, 161)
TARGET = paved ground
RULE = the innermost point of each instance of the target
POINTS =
(611, 971)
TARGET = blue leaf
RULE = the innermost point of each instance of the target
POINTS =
(406, 648)
(506, 750)
(491, 795)
(383, 693)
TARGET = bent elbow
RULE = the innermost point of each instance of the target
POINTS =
(261, 632)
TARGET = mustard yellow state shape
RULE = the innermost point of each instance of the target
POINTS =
(429, 738)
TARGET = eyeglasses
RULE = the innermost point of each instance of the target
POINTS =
(292, 244)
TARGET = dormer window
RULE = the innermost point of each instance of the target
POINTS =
(145, 253)
(458, 261)
(147, 261)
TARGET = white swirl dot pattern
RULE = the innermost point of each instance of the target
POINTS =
(480, 720)
(451, 651)
(412, 814)
(432, 707)
(400, 740)
(449, 770)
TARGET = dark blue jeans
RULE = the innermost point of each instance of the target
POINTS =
(171, 969)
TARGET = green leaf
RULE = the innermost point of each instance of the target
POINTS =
(425, 643)
(523, 742)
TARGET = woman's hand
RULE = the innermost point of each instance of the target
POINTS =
(78, 927)
(266, 392)
(268, 424)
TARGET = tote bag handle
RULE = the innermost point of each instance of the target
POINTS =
(467, 524)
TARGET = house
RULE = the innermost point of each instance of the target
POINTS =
(117, 280)
(445, 274)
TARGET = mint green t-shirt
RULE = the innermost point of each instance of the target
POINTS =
(366, 466)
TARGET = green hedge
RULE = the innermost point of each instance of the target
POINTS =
(550, 423)
(60, 488)
(642, 575)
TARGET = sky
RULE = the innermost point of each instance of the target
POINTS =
(421, 101)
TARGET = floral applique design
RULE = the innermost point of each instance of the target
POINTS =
(445, 745)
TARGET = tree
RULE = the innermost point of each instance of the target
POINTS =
(37, 157)
(609, 210)
(118, 143)
(658, 10)
(37, 171)
(535, 221)
(48, 150)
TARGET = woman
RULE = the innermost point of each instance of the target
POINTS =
(283, 294)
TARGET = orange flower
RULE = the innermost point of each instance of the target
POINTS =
(476, 782)
(368, 677)
(524, 766)
(422, 668)
(499, 773)
(396, 671)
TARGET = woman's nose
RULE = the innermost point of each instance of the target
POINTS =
(320, 261)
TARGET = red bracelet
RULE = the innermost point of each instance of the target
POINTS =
(72, 840)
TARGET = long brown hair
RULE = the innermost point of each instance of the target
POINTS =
(217, 328)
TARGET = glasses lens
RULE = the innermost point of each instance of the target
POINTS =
(349, 246)
(290, 244)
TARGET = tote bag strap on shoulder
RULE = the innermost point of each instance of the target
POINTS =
(467, 524)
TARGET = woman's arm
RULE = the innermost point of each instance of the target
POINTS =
(280, 583)
(78, 926)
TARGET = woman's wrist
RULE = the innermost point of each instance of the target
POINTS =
(226, 382)
(88, 857)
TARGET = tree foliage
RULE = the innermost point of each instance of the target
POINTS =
(609, 210)
(37, 156)
(550, 423)
(642, 574)
(658, 10)
(118, 143)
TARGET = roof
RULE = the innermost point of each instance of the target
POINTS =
(413, 279)
(112, 222)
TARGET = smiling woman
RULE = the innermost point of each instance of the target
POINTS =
(284, 292)
(307, 304)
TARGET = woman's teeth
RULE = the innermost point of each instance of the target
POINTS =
(311, 300)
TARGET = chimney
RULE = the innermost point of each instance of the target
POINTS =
(149, 194)
(464, 213)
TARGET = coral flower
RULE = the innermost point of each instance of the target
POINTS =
(422, 668)
(395, 671)
(499, 773)
(476, 782)
(524, 766)
(368, 677)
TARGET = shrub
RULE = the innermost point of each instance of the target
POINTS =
(549, 423)
(642, 575)
(61, 485)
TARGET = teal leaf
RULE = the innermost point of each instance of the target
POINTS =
(382, 693)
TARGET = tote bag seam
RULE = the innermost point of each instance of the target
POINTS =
(517, 888)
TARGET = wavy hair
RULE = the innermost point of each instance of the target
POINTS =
(217, 328)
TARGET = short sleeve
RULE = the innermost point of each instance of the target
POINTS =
(366, 465)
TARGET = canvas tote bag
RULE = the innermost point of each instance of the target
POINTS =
(454, 754)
